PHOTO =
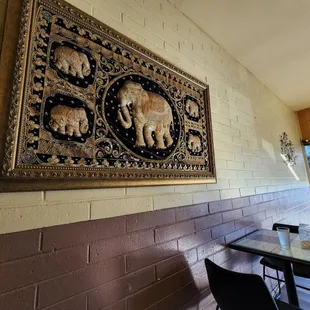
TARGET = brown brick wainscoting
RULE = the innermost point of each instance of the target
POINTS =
(152, 260)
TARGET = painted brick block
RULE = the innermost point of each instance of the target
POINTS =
(42, 216)
(229, 193)
(78, 302)
(171, 232)
(148, 256)
(29, 246)
(22, 299)
(58, 237)
(116, 207)
(194, 240)
(210, 248)
(114, 291)
(150, 219)
(160, 290)
(232, 215)
(83, 195)
(71, 284)
(222, 230)
(171, 201)
(206, 196)
(123, 244)
(240, 202)
(9, 200)
(219, 206)
(189, 212)
(175, 264)
(208, 221)
(27, 271)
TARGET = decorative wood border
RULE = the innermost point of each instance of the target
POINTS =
(16, 179)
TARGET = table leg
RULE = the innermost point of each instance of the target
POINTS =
(290, 284)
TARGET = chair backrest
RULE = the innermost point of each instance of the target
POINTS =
(293, 228)
(238, 291)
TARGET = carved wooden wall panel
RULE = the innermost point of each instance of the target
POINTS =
(92, 106)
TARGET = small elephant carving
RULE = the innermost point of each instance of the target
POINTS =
(192, 108)
(151, 113)
(194, 143)
(71, 62)
(69, 121)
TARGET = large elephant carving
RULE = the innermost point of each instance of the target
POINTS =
(192, 108)
(69, 121)
(71, 62)
(194, 143)
(151, 113)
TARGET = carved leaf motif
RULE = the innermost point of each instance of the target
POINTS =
(40, 62)
(117, 164)
(35, 99)
(93, 36)
(38, 73)
(69, 161)
(82, 162)
(40, 52)
(43, 33)
(38, 86)
(41, 43)
(68, 23)
(53, 160)
(105, 163)
(81, 31)
(32, 111)
(31, 138)
(32, 125)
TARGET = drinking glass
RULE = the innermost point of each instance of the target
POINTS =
(284, 237)
(304, 235)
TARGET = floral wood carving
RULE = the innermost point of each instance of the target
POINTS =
(88, 103)
(288, 150)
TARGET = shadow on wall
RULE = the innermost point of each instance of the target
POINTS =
(173, 284)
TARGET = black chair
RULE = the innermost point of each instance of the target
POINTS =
(241, 291)
(273, 263)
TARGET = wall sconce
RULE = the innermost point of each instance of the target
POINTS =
(287, 150)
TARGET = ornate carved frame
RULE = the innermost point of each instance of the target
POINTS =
(104, 157)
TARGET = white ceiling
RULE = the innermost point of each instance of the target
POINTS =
(271, 38)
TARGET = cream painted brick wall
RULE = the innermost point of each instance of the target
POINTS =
(247, 120)
(116, 207)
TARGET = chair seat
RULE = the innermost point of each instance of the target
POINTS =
(284, 306)
(272, 263)
(299, 270)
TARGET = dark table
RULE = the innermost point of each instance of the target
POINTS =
(266, 243)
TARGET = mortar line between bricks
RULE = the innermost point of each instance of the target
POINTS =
(88, 254)
(36, 298)
(40, 245)
(89, 210)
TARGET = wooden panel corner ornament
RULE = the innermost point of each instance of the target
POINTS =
(91, 108)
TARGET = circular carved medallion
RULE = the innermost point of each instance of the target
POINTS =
(142, 117)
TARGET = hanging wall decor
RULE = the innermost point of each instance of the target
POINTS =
(288, 150)
(91, 108)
